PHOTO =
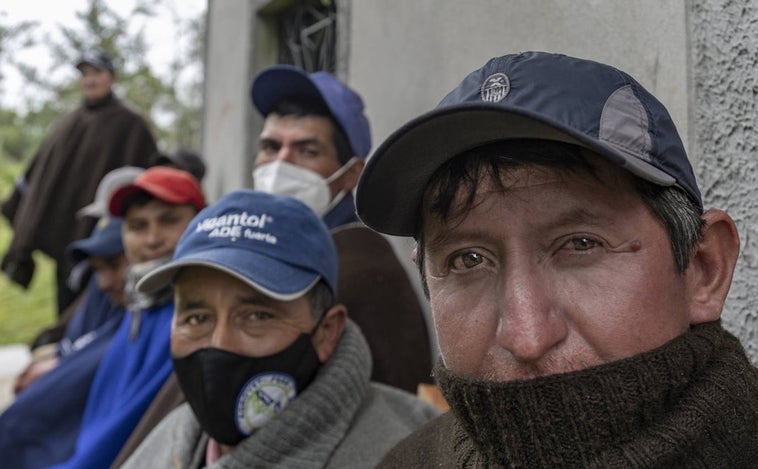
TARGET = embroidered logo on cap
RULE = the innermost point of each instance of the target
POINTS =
(264, 396)
(237, 225)
(495, 88)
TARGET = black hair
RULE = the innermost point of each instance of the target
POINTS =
(304, 106)
(136, 199)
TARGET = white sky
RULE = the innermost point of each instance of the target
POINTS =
(159, 33)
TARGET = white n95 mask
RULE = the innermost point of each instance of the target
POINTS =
(282, 178)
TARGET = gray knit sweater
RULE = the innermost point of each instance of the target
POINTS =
(340, 420)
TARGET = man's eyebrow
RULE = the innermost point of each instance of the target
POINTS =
(303, 141)
(308, 141)
(251, 299)
(445, 237)
(255, 298)
(579, 216)
(267, 140)
(190, 303)
(573, 217)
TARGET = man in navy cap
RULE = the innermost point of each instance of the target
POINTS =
(100, 135)
(313, 146)
(274, 373)
(575, 280)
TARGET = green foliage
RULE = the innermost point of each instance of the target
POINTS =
(23, 312)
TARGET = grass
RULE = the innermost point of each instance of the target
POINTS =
(23, 312)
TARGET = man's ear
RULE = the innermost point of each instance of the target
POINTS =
(711, 268)
(327, 336)
(350, 179)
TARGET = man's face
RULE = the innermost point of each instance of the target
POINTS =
(95, 83)
(561, 272)
(214, 309)
(151, 231)
(302, 141)
(110, 275)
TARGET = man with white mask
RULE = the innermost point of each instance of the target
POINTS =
(314, 140)
(313, 145)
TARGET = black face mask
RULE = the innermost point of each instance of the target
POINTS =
(233, 395)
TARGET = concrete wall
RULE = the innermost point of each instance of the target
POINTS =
(697, 56)
(725, 77)
(236, 41)
(406, 55)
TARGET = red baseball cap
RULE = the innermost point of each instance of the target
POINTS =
(170, 185)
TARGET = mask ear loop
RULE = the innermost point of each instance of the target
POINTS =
(345, 167)
(335, 175)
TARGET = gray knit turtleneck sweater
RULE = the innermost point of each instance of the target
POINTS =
(339, 420)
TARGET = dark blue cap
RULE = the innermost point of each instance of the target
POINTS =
(105, 241)
(96, 59)
(346, 106)
(274, 243)
(533, 95)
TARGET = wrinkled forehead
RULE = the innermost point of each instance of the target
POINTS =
(450, 195)
(317, 125)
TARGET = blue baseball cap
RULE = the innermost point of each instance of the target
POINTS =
(105, 241)
(346, 106)
(532, 95)
(276, 244)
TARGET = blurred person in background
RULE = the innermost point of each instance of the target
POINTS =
(100, 135)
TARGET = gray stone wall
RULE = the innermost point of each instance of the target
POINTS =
(724, 44)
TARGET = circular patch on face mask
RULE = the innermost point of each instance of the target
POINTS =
(264, 396)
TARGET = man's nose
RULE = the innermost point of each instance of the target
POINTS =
(222, 335)
(529, 324)
(286, 153)
(154, 235)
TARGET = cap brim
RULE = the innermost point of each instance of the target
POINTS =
(89, 247)
(276, 83)
(97, 65)
(274, 278)
(392, 184)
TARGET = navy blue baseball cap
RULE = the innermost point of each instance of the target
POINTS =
(276, 244)
(532, 95)
(97, 59)
(105, 241)
(346, 106)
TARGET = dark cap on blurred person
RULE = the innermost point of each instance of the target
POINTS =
(105, 241)
(170, 185)
(96, 59)
(183, 159)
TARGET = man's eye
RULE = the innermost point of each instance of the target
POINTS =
(310, 152)
(196, 319)
(268, 147)
(582, 243)
(260, 315)
(467, 260)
